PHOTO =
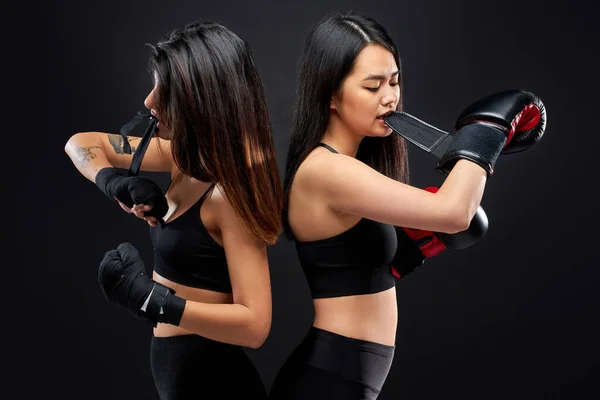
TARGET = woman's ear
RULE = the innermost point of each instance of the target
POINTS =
(335, 100)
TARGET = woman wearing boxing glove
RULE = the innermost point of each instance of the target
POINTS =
(345, 192)
(209, 295)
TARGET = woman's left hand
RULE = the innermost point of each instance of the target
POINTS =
(138, 210)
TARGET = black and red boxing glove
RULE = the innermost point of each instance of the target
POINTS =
(416, 245)
(501, 123)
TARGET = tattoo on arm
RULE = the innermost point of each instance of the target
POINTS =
(117, 143)
(85, 155)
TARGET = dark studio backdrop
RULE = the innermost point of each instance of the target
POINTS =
(514, 317)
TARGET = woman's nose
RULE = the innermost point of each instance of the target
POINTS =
(389, 98)
(149, 101)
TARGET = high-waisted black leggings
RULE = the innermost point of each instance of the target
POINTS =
(328, 366)
(193, 367)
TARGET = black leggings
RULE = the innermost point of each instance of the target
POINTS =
(194, 367)
(328, 366)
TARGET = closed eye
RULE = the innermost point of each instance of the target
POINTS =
(370, 89)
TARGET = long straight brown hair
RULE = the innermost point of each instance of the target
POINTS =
(212, 98)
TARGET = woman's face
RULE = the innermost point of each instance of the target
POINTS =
(151, 103)
(369, 92)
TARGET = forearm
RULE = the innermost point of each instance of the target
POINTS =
(229, 323)
(464, 189)
(87, 154)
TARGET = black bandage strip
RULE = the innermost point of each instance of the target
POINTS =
(138, 156)
(420, 133)
(129, 129)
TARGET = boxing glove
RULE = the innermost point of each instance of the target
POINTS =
(502, 123)
(416, 245)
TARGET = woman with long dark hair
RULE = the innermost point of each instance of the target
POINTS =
(209, 295)
(348, 205)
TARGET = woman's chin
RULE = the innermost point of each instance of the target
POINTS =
(162, 133)
(381, 131)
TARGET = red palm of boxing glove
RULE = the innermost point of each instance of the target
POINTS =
(416, 245)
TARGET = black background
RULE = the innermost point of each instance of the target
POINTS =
(514, 317)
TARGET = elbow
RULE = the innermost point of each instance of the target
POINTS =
(462, 225)
(257, 342)
(72, 142)
(459, 221)
(258, 333)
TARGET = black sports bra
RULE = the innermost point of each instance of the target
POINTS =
(184, 251)
(357, 261)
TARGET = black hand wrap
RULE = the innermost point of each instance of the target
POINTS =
(127, 187)
(142, 122)
(123, 280)
(129, 190)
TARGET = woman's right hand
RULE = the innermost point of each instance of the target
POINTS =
(131, 191)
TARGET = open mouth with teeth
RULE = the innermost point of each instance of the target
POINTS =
(382, 116)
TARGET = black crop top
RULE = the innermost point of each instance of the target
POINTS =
(185, 253)
(357, 261)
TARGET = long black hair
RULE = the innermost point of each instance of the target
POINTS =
(329, 54)
(212, 99)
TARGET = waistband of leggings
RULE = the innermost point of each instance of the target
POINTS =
(169, 342)
(332, 337)
(356, 360)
